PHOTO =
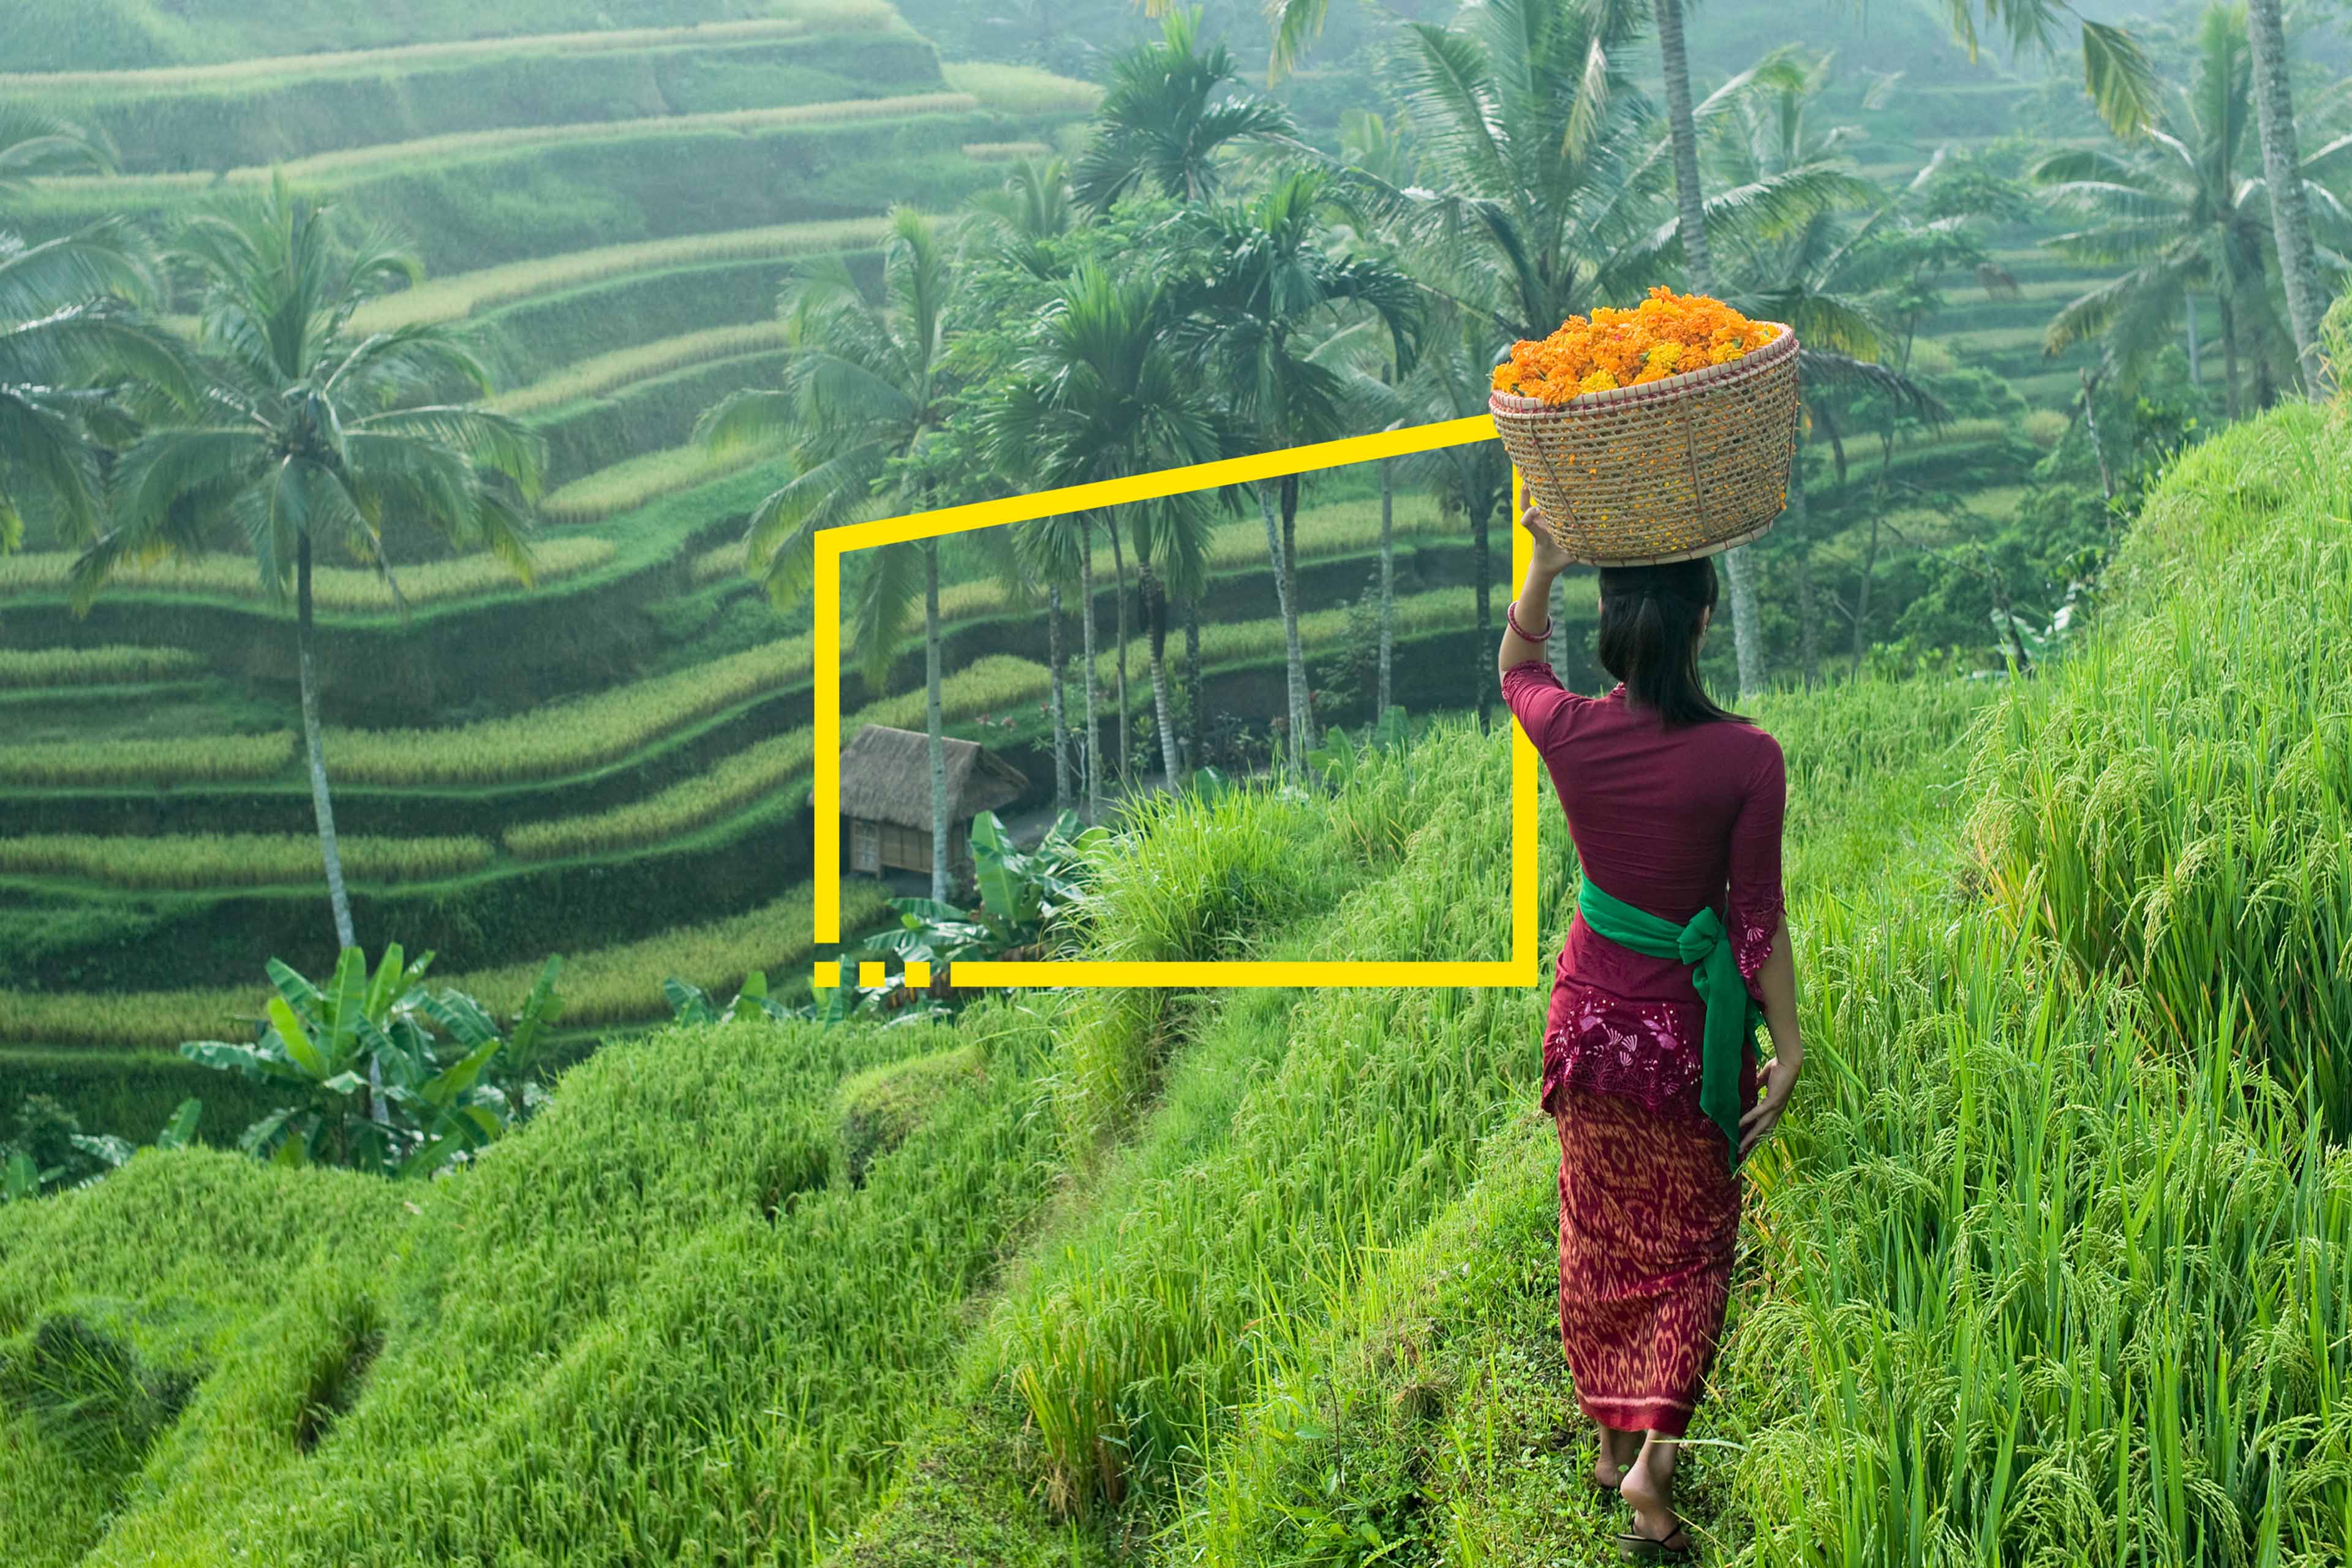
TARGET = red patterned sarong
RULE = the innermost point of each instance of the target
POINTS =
(1648, 1214)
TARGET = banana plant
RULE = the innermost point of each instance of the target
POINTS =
(22, 1174)
(438, 1103)
(1340, 756)
(1024, 895)
(690, 1003)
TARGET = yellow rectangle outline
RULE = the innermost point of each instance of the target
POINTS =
(1522, 968)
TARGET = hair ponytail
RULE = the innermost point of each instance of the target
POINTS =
(1651, 617)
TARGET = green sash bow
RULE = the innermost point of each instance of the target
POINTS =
(1732, 1013)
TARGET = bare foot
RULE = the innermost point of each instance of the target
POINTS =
(1618, 1452)
(1649, 1490)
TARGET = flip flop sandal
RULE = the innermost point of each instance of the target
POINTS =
(1674, 1546)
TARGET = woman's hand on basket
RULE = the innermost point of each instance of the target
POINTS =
(1780, 1081)
(1549, 558)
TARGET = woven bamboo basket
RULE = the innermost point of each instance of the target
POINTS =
(1684, 467)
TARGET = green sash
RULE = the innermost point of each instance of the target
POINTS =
(1732, 1013)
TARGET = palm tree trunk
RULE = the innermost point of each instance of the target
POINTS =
(1195, 699)
(1388, 585)
(1295, 667)
(1688, 200)
(2091, 425)
(1126, 723)
(1862, 595)
(1306, 726)
(1809, 627)
(2283, 182)
(2229, 353)
(931, 718)
(1155, 613)
(1086, 622)
(1481, 569)
(1053, 696)
(2196, 373)
(322, 804)
(1747, 632)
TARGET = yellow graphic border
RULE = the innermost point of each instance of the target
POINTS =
(1520, 969)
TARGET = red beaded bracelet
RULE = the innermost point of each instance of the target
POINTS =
(1511, 615)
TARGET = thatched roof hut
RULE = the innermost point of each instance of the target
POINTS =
(885, 797)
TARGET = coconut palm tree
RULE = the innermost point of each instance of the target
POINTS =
(1263, 283)
(312, 435)
(1101, 394)
(1032, 206)
(78, 356)
(2306, 299)
(1170, 115)
(2119, 77)
(1819, 273)
(2176, 209)
(864, 388)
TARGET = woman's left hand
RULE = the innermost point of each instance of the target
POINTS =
(1549, 558)
(1779, 1082)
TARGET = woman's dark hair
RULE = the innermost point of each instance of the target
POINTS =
(1649, 636)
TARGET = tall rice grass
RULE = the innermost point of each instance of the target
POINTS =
(591, 377)
(193, 861)
(660, 1324)
(2177, 811)
(572, 736)
(737, 783)
(601, 986)
(31, 667)
(333, 589)
(1021, 90)
(462, 294)
(437, 152)
(636, 482)
(798, 17)
(103, 764)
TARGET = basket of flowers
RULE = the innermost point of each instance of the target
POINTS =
(1656, 433)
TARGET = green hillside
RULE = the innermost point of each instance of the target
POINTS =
(1266, 1276)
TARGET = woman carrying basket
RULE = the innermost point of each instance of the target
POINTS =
(1648, 1065)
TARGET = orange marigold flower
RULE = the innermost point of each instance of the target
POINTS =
(1664, 334)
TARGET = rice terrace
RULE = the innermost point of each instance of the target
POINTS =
(1898, 512)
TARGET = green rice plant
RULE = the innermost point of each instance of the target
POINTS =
(339, 589)
(1304, 1132)
(2177, 809)
(1004, 152)
(627, 486)
(96, 666)
(572, 736)
(463, 294)
(105, 764)
(996, 684)
(749, 1263)
(1021, 90)
(601, 986)
(741, 781)
(193, 860)
(796, 18)
(1250, 642)
(438, 151)
(590, 378)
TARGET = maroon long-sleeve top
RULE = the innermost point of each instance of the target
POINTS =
(1670, 821)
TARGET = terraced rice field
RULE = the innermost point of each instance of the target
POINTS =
(45, 573)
